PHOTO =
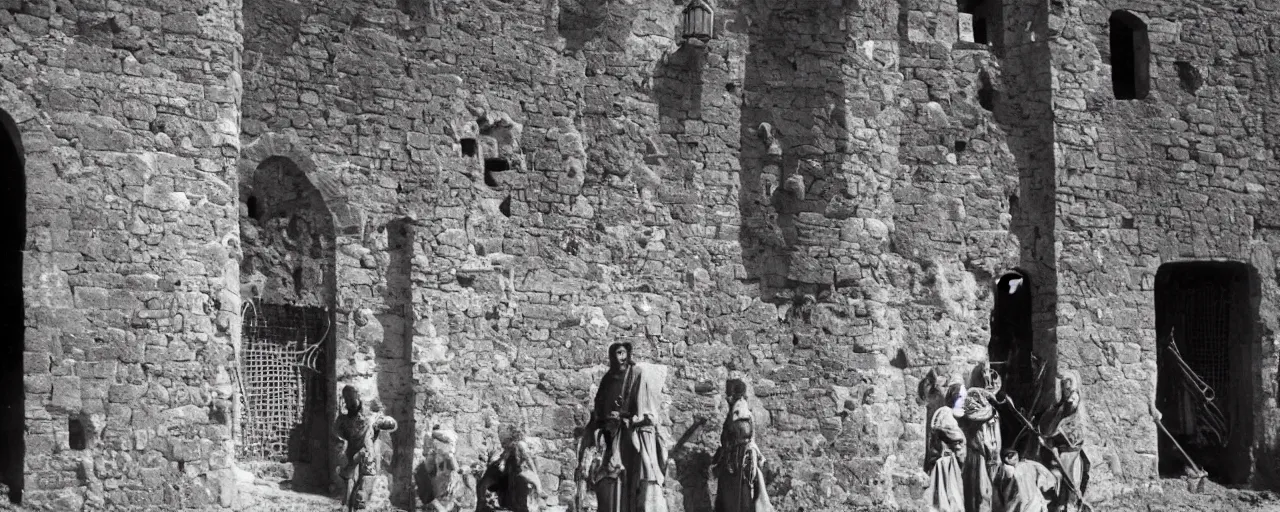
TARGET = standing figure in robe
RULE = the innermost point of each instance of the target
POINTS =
(359, 428)
(513, 478)
(439, 478)
(944, 453)
(1019, 485)
(624, 425)
(1060, 426)
(738, 460)
(981, 423)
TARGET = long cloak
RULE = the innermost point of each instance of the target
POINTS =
(983, 456)
(634, 460)
(741, 485)
(1021, 488)
(942, 462)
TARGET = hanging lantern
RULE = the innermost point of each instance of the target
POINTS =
(698, 20)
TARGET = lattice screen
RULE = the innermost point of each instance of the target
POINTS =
(280, 358)
(1205, 333)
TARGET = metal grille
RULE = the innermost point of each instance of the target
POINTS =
(1206, 330)
(280, 361)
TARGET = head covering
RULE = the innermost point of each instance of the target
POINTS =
(613, 347)
(444, 436)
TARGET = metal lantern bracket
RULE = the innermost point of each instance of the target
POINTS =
(697, 22)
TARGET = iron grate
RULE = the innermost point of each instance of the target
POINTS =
(282, 350)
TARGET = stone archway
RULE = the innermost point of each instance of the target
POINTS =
(293, 213)
(13, 222)
(347, 220)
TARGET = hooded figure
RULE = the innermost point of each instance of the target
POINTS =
(1019, 485)
(513, 477)
(439, 479)
(944, 453)
(981, 425)
(737, 461)
(624, 425)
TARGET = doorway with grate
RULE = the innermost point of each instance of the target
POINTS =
(1207, 367)
(284, 360)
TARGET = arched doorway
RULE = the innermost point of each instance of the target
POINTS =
(287, 279)
(13, 222)
(1010, 347)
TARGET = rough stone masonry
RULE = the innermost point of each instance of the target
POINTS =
(481, 195)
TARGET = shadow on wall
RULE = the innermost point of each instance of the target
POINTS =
(783, 106)
(13, 221)
(394, 358)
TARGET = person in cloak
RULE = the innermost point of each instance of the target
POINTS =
(359, 428)
(1019, 485)
(1060, 426)
(624, 424)
(738, 460)
(945, 452)
(981, 424)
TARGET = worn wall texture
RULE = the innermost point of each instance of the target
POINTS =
(488, 193)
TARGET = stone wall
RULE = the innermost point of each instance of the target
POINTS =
(819, 201)
(128, 116)
(640, 199)
(1185, 174)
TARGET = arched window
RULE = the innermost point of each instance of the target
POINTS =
(1130, 56)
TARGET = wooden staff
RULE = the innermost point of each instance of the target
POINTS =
(1066, 476)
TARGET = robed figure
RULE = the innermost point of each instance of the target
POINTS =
(738, 460)
(1019, 485)
(360, 428)
(1060, 426)
(945, 452)
(981, 424)
(624, 427)
(512, 478)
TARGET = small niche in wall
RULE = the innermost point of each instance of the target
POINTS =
(469, 147)
(75, 434)
(1130, 56)
(505, 207)
(1188, 76)
(493, 166)
(961, 146)
(252, 204)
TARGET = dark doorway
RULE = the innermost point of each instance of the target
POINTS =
(1206, 367)
(1010, 347)
(13, 201)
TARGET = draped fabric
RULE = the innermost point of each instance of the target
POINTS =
(982, 428)
(1075, 464)
(942, 462)
(1021, 488)
(632, 471)
(741, 486)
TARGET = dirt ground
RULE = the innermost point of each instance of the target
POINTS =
(1175, 496)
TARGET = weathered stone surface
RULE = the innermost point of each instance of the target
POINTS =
(485, 196)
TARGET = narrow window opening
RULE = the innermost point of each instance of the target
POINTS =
(960, 146)
(492, 166)
(75, 434)
(469, 147)
(979, 10)
(1205, 367)
(986, 92)
(1130, 56)
(252, 204)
